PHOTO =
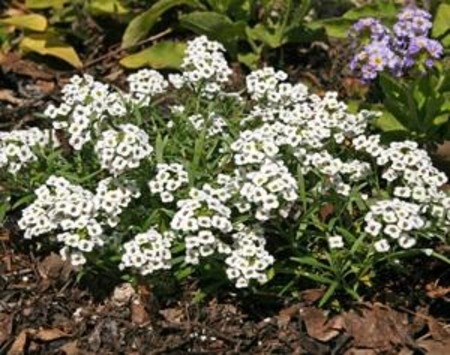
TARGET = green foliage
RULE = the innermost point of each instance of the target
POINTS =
(139, 27)
(417, 108)
(248, 29)
(338, 27)
(441, 25)
(165, 54)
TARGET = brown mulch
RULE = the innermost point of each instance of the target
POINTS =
(43, 310)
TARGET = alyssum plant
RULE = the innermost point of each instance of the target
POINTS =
(181, 174)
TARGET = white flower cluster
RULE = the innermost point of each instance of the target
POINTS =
(395, 219)
(76, 214)
(146, 84)
(271, 188)
(202, 219)
(337, 171)
(215, 124)
(169, 178)
(204, 67)
(16, 147)
(86, 103)
(248, 260)
(122, 149)
(148, 252)
(287, 135)
(62, 206)
(406, 164)
(113, 198)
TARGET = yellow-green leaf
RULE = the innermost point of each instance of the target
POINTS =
(441, 23)
(44, 4)
(107, 7)
(142, 24)
(52, 47)
(33, 22)
(165, 54)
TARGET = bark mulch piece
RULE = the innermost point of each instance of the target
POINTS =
(44, 311)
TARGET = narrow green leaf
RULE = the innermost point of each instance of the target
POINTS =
(139, 27)
(166, 54)
(308, 260)
(214, 25)
(330, 291)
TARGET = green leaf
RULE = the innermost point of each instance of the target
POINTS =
(52, 47)
(379, 9)
(441, 24)
(393, 88)
(166, 54)
(143, 23)
(4, 208)
(334, 27)
(33, 22)
(25, 200)
(249, 59)
(44, 4)
(261, 33)
(107, 7)
(330, 291)
(317, 278)
(338, 27)
(387, 122)
(308, 260)
(214, 25)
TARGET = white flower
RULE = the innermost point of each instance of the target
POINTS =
(335, 242)
(382, 246)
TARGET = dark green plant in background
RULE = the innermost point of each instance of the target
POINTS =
(250, 30)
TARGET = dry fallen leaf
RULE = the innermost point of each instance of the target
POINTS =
(138, 313)
(18, 347)
(437, 331)
(8, 96)
(172, 315)
(312, 295)
(286, 314)
(5, 327)
(318, 326)
(12, 62)
(436, 291)
(71, 348)
(53, 268)
(5, 234)
(433, 347)
(47, 335)
(122, 294)
(377, 327)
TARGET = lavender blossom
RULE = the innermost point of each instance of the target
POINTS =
(407, 46)
(371, 27)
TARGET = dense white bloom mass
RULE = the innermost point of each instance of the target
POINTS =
(148, 252)
(170, 177)
(146, 84)
(204, 67)
(16, 147)
(123, 149)
(249, 260)
(251, 189)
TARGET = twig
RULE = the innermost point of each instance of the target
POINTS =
(120, 49)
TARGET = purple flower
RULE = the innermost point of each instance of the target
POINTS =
(413, 22)
(370, 27)
(406, 47)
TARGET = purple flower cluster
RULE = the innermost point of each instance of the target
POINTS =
(379, 49)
